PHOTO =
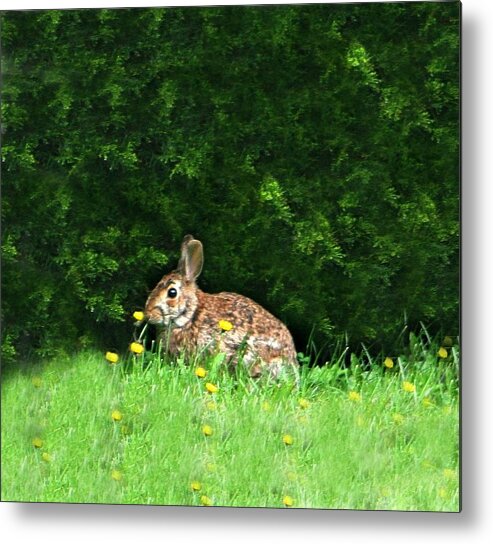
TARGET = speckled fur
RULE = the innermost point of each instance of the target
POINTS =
(190, 320)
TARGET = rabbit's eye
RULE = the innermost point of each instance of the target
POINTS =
(172, 292)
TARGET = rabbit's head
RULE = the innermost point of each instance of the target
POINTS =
(174, 299)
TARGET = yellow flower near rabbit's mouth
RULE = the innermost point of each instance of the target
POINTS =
(225, 325)
(111, 357)
(137, 348)
(37, 442)
(138, 316)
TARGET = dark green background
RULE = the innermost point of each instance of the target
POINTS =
(314, 149)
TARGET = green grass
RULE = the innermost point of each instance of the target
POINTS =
(382, 448)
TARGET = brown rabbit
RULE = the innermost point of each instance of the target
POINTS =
(192, 320)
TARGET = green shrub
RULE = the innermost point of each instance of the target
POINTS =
(313, 149)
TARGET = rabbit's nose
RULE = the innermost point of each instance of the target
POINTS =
(154, 314)
(149, 312)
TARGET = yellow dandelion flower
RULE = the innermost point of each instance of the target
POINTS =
(303, 419)
(408, 387)
(288, 439)
(384, 492)
(398, 419)
(46, 457)
(210, 467)
(303, 404)
(211, 388)
(207, 430)
(354, 396)
(111, 357)
(266, 407)
(196, 486)
(37, 442)
(37, 381)
(225, 325)
(427, 402)
(116, 475)
(200, 372)
(138, 316)
(288, 501)
(443, 493)
(125, 430)
(388, 362)
(442, 353)
(136, 348)
(449, 473)
(447, 341)
(205, 500)
(211, 405)
(116, 415)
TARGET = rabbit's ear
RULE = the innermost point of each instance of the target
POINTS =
(192, 258)
(183, 256)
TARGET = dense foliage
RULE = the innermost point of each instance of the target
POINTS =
(314, 149)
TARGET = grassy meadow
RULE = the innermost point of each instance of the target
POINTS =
(376, 434)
